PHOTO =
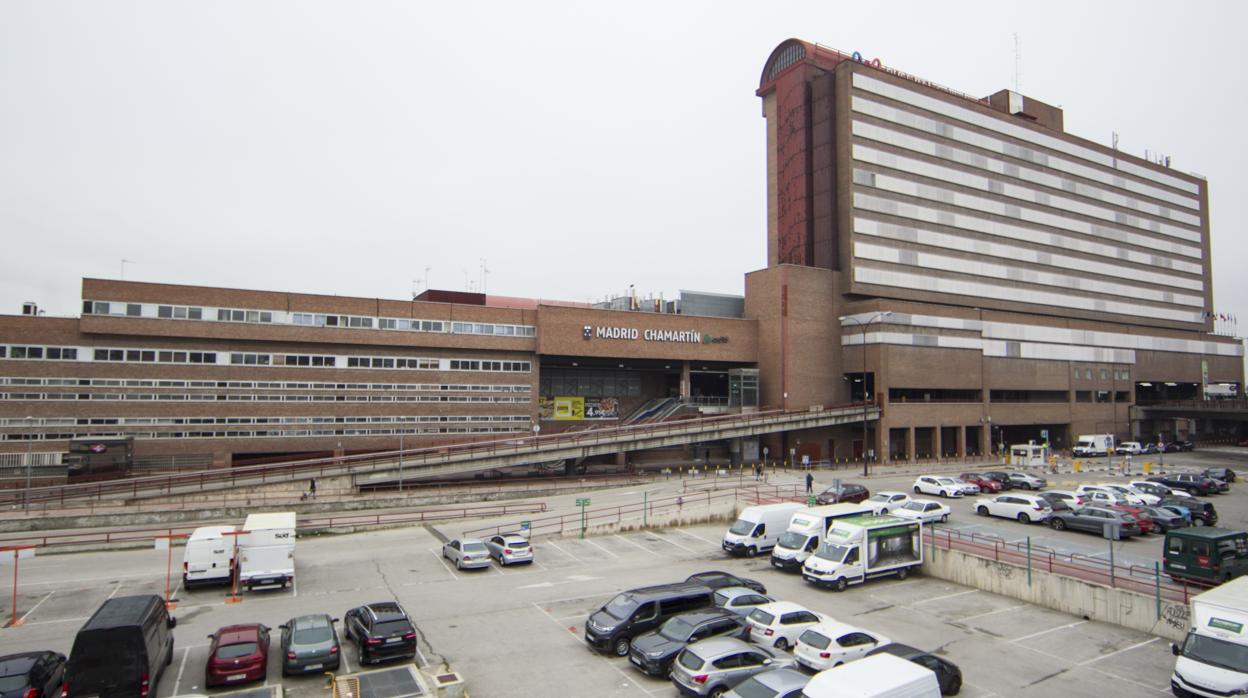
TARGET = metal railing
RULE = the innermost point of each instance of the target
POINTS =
(319, 467)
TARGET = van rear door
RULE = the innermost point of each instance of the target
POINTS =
(107, 662)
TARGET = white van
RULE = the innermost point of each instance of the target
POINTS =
(209, 556)
(806, 531)
(758, 528)
(1210, 659)
(266, 553)
(877, 676)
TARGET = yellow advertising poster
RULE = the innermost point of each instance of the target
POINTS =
(569, 409)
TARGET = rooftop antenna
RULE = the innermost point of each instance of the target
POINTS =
(484, 273)
(1018, 59)
(124, 262)
(427, 277)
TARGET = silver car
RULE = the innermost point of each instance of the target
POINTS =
(310, 645)
(510, 548)
(467, 553)
(784, 682)
(715, 666)
(740, 600)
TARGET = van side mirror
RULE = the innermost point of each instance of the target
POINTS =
(172, 622)
(1174, 649)
(335, 620)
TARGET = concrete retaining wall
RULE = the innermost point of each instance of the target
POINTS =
(1066, 594)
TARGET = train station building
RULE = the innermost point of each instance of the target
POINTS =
(982, 276)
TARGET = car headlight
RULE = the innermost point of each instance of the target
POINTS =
(655, 655)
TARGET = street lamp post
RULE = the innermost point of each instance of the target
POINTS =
(882, 315)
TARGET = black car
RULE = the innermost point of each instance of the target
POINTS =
(719, 580)
(36, 674)
(653, 652)
(1001, 477)
(845, 494)
(1164, 519)
(1056, 501)
(1223, 474)
(381, 631)
(1149, 448)
(948, 675)
(1203, 513)
(630, 613)
(1194, 483)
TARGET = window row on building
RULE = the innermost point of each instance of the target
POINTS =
(1088, 373)
(178, 356)
(247, 397)
(908, 395)
(267, 434)
(279, 420)
(281, 317)
(268, 385)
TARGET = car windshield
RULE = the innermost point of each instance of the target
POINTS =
(241, 649)
(761, 617)
(913, 506)
(741, 527)
(474, 547)
(312, 633)
(792, 540)
(676, 629)
(814, 639)
(9, 684)
(753, 688)
(621, 607)
(832, 552)
(1219, 653)
(881, 498)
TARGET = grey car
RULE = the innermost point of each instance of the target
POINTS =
(467, 553)
(310, 645)
(740, 600)
(715, 666)
(784, 682)
(509, 548)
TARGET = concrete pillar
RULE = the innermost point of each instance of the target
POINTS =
(686, 384)
(985, 439)
(961, 436)
(911, 456)
(734, 451)
(938, 450)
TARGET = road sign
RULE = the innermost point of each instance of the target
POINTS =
(584, 502)
(1044, 435)
(525, 527)
(811, 501)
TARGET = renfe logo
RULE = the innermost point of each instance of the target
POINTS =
(651, 335)
(97, 448)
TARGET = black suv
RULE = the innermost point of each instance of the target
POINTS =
(631, 613)
(1189, 482)
(381, 631)
(654, 651)
(719, 580)
(1203, 513)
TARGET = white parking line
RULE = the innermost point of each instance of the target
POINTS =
(606, 661)
(694, 535)
(602, 549)
(1124, 649)
(438, 554)
(1050, 630)
(342, 655)
(665, 539)
(115, 590)
(32, 608)
(947, 596)
(557, 547)
(637, 545)
(989, 613)
(186, 651)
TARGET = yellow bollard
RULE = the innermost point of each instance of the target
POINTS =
(1148, 468)
(1078, 467)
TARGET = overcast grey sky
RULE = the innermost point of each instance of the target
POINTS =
(343, 147)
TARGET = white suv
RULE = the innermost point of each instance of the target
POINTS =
(830, 644)
(940, 486)
(779, 623)
(1026, 508)
(887, 502)
(1126, 494)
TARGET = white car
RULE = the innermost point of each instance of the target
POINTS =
(1158, 489)
(1132, 448)
(940, 486)
(1027, 481)
(886, 502)
(779, 623)
(830, 644)
(1127, 495)
(1105, 498)
(510, 548)
(740, 600)
(467, 553)
(1025, 508)
(925, 510)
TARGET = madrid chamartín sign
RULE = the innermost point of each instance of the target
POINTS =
(650, 335)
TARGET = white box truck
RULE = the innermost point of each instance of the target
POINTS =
(806, 531)
(209, 556)
(758, 528)
(1089, 445)
(859, 548)
(266, 552)
(877, 676)
(1213, 659)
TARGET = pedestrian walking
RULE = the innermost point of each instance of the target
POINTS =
(810, 483)
(312, 488)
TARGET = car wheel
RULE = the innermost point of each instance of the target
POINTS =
(1023, 518)
(917, 490)
(840, 584)
(459, 563)
(954, 687)
(1198, 522)
(1057, 524)
(944, 518)
(982, 511)
(943, 493)
(751, 551)
(782, 644)
(717, 692)
(903, 573)
(621, 647)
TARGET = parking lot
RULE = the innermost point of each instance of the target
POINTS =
(517, 631)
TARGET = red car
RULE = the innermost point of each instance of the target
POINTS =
(238, 654)
(986, 485)
(1146, 523)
